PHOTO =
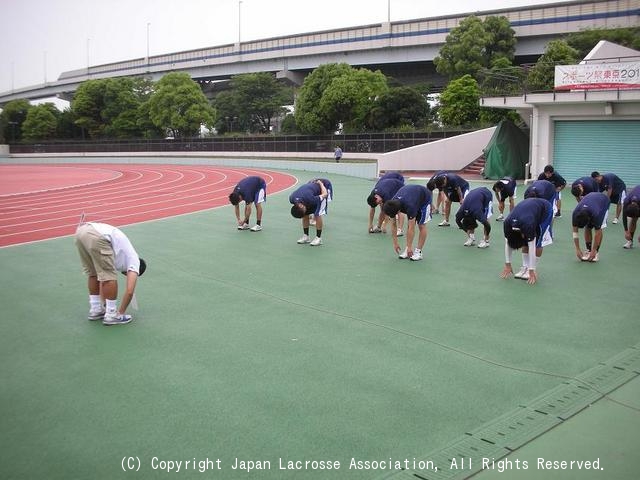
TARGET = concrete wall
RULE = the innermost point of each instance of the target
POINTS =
(448, 154)
(4, 151)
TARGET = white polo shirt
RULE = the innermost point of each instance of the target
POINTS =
(125, 256)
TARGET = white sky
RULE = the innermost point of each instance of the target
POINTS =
(40, 39)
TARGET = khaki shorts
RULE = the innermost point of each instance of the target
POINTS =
(96, 253)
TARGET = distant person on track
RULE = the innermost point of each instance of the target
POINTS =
(476, 207)
(337, 154)
(104, 251)
(527, 227)
(591, 214)
(415, 202)
(311, 199)
(384, 189)
(505, 188)
(249, 190)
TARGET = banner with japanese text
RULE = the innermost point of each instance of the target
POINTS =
(597, 76)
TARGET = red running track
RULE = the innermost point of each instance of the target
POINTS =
(39, 202)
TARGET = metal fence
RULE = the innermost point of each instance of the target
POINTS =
(360, 143)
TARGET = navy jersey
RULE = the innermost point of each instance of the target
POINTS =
(588, 185)
(475, 205)
(412, 199)
(395, 175)
(613, 182)
(555, 178)
(633, 196)
(541, 189)
(453, 183)
(508, 189)
(597, 205)
(309, 194)
(528, 216)
(386, 188)
(249, 188)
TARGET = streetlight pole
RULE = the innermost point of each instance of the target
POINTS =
(44, 62)
(239, 21)
(148, 25)
(88, 62)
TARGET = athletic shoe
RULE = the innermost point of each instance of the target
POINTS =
(304, 239)
(375, 230)
(628, 244)
(444, 223)
(615, 220)
(585, 256)
(522, 272)
(96, 314)
(525, 275)
(558, 214)
(316, 241)
(500, 218)
(399, 232)
(256, 228)
(116, 319)
(403, 254)
(470, 241)
(483, 244)
(244, 226)
(417, 255)
(596, 258)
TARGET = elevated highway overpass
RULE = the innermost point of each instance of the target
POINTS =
(404, 50)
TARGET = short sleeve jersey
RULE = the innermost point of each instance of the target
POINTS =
(528, 216)
(412, 198)
(597, 205)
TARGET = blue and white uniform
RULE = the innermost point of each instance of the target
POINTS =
(532, 217)
(596, 204)
(543, 189)
(415, 202)
(453, 183)
(388, 185)
(633, 197)
(588, 185)
(508, 189)
(252, 189)
(611, 182)
(477, 205)
(309, 195)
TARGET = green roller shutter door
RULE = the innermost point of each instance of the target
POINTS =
(605, 146)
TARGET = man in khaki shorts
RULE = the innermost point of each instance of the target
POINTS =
(104, 251)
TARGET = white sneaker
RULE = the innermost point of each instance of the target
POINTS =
(417, 255)
(400, 232)
(256, 228)
(596, 258)
(304, 239)
(615, 220)
(244, 226)
(470, 241)
(522, 272)
(316, 241)
(444, 223)
(375, 229)
(585, 256)
(628, 244)
(500, 218)
(403, 254)
(116, 319)
(483, 244)
(96, 314)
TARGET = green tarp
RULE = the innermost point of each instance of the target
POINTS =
(507, 152)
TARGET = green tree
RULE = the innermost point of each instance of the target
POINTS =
(585, 40)
(258, 99)
(399, 107)
(67, 127)
(13, 115)
(179, 107)
(88, 104)
(459, 102)
(475, 45)
(307, 114)
(541, 76)
(41, 122)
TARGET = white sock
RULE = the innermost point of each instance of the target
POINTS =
(112, 306)
(525, 260)
(95, 302)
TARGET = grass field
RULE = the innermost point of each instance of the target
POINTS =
(249, 347)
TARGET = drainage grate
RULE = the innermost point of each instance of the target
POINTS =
(499, 437)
